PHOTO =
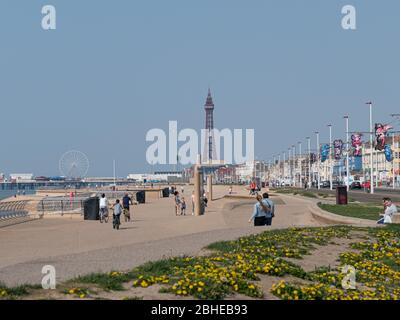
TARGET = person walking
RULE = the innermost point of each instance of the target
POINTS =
(126, 201)
(177, 200)
(183, 207)
(252, 188)
(205, 200)
(264, 211)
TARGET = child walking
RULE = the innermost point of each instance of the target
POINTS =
(183, 207)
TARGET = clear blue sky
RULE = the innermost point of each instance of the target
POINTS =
(115, 69)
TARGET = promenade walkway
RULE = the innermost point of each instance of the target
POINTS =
(76, 247)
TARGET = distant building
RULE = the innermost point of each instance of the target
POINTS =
(160, 176)
(100, 179)
(251, 170)
(2, 177)
(21, 177)
(226, 174)
(383, 170)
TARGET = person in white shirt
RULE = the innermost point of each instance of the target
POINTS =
(103, 207)
(390, 210)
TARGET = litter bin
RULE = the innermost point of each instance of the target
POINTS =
(141, 197)
(341, 195)
(91, 209)
(165, 193)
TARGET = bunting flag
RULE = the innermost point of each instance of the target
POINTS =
(388, 153)
(338, 148)
(313, 158)
(380, 135)
(324, 152)
(356, 143)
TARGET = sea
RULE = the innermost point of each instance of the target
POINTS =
(9, 193)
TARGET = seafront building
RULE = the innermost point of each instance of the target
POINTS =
(158, 176)
(21, 177)
(384, 171)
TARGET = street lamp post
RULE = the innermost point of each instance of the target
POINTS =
(395, 152)
(318, 161)
(347, 153)
(330, 157)
(294, 164)
(274, 166)
(309, 160)
(283, 169)
(300, 171)
(370, 144)
(290, 167)
(279, 170)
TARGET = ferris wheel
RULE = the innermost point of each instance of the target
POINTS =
(74, 164)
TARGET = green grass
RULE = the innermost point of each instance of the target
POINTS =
(284, 191)
(109, 282)
(223, 246)
(244, 259)
(300, 192)
(308, 194)
(362, 211)
(104, 280)
(133, 298)
(19, 291)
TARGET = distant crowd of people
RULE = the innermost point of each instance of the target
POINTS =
(180, 202)
(262, 215)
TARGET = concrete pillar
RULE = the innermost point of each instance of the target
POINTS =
(197, 191)
(209, 187)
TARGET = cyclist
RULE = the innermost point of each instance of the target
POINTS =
(117, 214)
(103, 208)
(126, 201)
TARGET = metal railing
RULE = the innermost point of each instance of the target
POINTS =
(13, 212)
(61, 205)
(13, 205)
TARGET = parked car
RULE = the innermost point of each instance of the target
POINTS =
(325, 184)
(366, 184)
(356, 185)
(336, 184)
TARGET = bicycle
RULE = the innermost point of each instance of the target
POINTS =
(103, 215)
(127, 215)
(116, 221)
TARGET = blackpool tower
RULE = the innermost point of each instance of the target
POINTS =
(209, 153)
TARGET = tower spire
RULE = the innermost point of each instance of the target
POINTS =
(209, 101)
(209, 148)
